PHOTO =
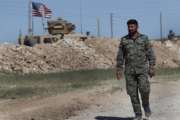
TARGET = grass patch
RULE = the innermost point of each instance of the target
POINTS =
(14, 86)
(168, 74)
(29, 85)
(168, 71)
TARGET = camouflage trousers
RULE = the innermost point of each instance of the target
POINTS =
(135, 84)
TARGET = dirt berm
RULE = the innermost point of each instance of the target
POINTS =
(75, 54)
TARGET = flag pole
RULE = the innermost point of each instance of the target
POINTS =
(30, 18)
(42, 18)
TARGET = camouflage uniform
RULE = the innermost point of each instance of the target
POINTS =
(138, 57)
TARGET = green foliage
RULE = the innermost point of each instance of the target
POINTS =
(15, 86)
(168, 71)
(29, 85)
(168, 74)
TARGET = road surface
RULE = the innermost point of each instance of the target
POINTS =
(165, 104)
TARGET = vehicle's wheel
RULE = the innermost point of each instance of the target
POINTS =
(33, 42)
(62, 36)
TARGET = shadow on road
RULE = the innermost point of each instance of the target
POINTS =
(112, 118)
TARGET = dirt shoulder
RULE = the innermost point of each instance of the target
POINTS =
(58, 107)
(107, 101)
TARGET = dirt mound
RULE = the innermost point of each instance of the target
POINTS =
(168, 53)
(75, 54)
(67, 54)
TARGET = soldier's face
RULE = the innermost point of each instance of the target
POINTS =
(132, 28)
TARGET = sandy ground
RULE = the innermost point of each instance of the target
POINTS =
(102, 103)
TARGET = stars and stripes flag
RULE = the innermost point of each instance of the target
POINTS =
(41, 10)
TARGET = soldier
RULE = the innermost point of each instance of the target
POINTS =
(135, 51)
(171, 35)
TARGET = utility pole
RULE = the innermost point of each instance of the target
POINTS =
(30, 18)
(111, 25)
(81, 18)
(98, 28)
(161, 27)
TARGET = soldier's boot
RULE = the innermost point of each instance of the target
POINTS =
(147, 111)
(138, 117)
(146, 118)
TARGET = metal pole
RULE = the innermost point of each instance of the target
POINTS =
(161, 27)
(81, 18)
(43, 24)
(111, 25)
(30, 18)
(32, 26)
(98, 28)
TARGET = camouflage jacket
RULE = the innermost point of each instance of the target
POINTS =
(137, 55)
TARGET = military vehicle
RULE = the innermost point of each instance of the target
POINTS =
(56, 31)
(60, 26)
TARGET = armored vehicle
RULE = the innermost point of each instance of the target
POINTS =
(56, 31)
(60, 26)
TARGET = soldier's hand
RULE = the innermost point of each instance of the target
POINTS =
(151, 71)
(119, 74)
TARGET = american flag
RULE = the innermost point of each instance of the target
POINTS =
(41, 10)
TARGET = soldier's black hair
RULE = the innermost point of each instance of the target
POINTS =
(132, 21)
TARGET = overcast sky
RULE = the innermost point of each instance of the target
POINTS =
(14, 16)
